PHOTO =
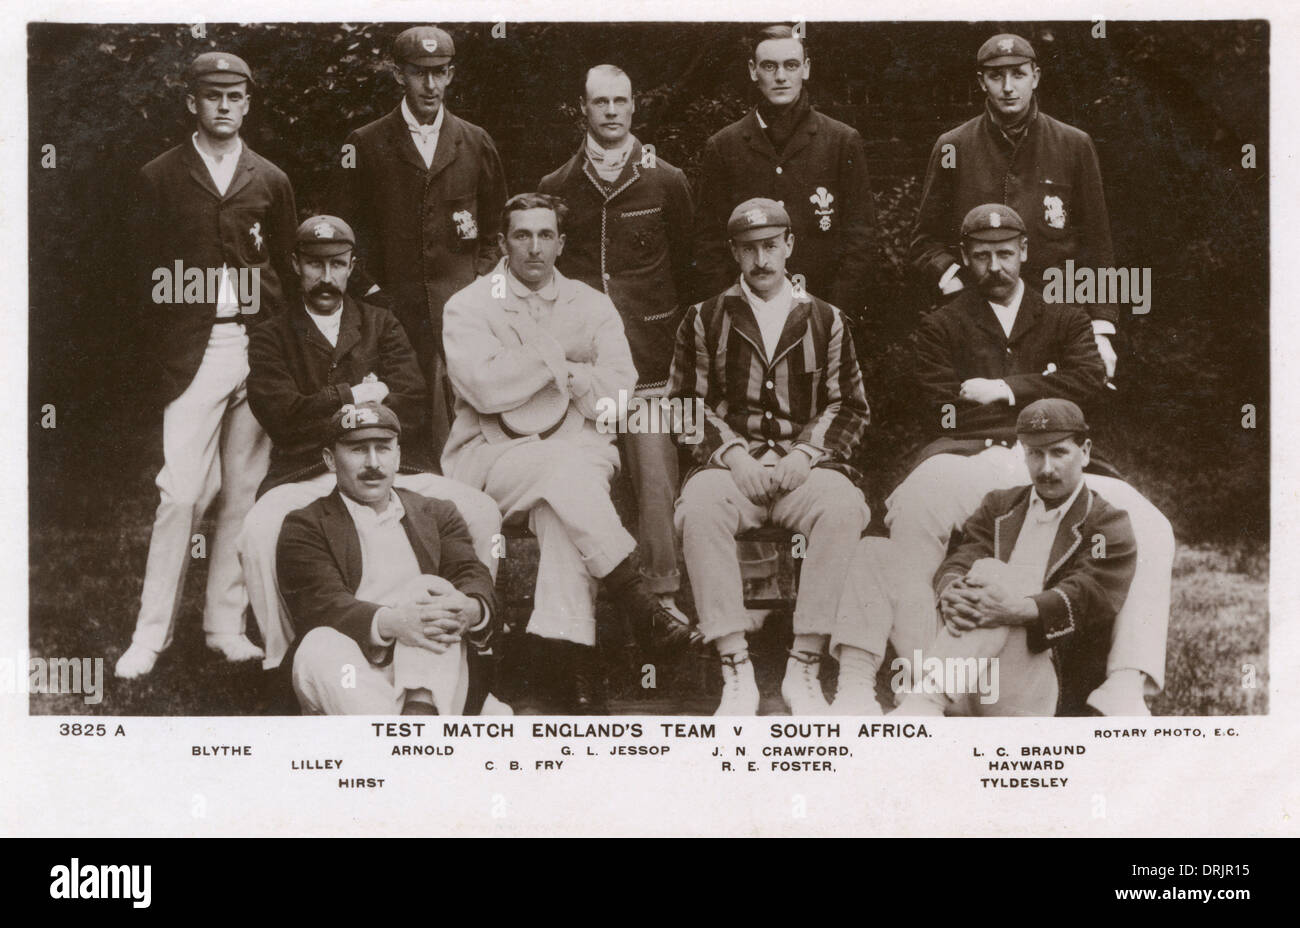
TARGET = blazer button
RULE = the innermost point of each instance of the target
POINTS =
(770, 385)
(778, 169)
(770, 443)
(606, 277)
(768, 414)
(988, 443)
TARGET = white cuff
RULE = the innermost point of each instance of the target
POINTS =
(1011, 394)
(1102, 327)
(947, 278)
(814, 454)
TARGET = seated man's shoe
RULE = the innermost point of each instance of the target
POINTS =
(739, 690)
(657, 629)
(235, 648)
(802, 689)
(670, 635)
(418, 707)
(136, 661)
(587, 680)
(1121, 695)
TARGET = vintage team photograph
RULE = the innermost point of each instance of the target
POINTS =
(820, 369)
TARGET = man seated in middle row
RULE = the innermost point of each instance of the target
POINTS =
(531, 354)
(325, 351)
(980, 360)
(784, 409)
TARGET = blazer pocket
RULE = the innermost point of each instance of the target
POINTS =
(641, 229)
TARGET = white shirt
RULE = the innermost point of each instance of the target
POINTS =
(770, 314)
(1034, 543)
(221, 168)
(424, 137)
(1007, 314)
(388, 561)
(329, 325)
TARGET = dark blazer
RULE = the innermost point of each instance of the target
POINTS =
(810, 392)
(179, 216)
(318, 560)
(632, 240)
(1053, 162)
(297, 381)
(964, 339)
(1081, 595)
(834, 233)
(405, 216)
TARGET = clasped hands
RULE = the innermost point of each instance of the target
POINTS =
(984, 599)
(763, 485)
(432, 615)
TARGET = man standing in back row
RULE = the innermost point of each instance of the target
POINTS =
(628, 233)
(1014, 154)
(814, 166)
(214, 206)
(423, 189)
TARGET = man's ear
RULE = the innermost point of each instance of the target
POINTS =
(753, 71)
(191, 104)
(789, 244)
(1087, 451)
(293, 260)
(1024, 248)
(1037, 74)
(965, 258)
(735, 252)
(327, 455)
(559, 244)
(807, 67)
(979, 78)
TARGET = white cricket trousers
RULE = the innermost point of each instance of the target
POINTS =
(211, 443)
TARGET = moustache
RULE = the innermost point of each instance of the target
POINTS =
(324, 289)
(370, 474)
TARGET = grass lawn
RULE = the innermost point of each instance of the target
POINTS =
(88, 545)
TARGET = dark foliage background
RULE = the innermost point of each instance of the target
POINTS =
(1169, 105)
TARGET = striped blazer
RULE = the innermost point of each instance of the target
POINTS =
(809, 393)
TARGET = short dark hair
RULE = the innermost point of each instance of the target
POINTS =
(775, 31)
(523, 201)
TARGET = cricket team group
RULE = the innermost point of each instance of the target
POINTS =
(427, 362)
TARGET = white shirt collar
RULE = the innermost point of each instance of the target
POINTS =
(1012, 305)
(1039, 512)
(363, 515)
(221, 170)
(1007, 313)
(416, 126)
(548, 292)
(784, 296)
